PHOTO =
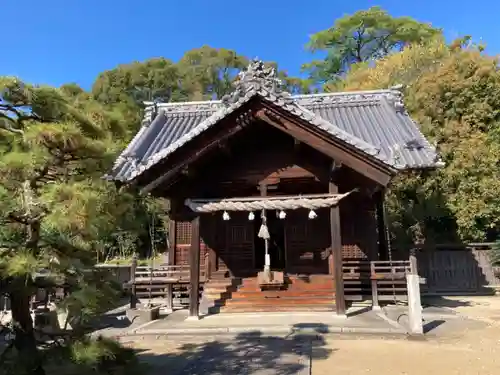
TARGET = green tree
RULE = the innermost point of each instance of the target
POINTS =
(208, 73)
(366, 35)
(453, 92)
(54, 205)
(127, 86)
(203, 73)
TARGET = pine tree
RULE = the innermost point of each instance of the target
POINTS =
(55, 145)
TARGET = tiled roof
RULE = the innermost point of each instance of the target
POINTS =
(373, 122)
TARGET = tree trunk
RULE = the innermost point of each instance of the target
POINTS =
(24, 341)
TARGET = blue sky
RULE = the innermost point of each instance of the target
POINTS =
(60, 41)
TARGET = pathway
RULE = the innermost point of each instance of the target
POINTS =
(465, 339)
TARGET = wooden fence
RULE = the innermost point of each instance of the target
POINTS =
(447, 269)
(376, 280)
(451, 269)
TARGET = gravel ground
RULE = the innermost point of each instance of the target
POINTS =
(468, 344)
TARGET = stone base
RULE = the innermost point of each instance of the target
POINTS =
(270, 280)
(46, 320)
(144, 314)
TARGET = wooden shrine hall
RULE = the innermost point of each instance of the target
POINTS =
(274, 195)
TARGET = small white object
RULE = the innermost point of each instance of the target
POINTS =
(263, 232)
(282, 214)
(414, 305)
(267, 260)
(312, 215)
(251, 216)
(225, 216)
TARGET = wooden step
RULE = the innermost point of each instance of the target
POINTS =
(217, 296)
(324, 287)
(220, 277)
(280, 301)
(305, 279)
(216, 291)
(218, 285)
(282, 294)
(293, 281)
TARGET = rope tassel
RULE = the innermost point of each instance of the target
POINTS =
(263, 230)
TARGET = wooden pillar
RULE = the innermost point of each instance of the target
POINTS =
(375, 304)
(170, 297)
(172, 239)
(194, 269)
(212, 255)
(336, 248)
(133, 290)
(381, 226)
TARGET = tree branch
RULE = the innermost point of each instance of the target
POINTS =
(359, 41)
(7, 124)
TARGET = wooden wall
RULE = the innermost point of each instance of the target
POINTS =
(359, 228)
(259, 155)
(307, 241)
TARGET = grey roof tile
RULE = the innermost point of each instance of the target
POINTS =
(374, 122)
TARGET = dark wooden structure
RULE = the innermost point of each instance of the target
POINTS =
(169, 282)
(262, 143)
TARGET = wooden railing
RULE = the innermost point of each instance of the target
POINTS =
(380, 280)
(171, 282)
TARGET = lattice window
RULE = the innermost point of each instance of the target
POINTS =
(240, 234)
(183, 232)
(352, 252)
(182, 255)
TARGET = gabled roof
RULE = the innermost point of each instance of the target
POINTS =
(375, 123)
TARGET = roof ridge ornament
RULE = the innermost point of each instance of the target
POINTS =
(257, 76)
(396, 97)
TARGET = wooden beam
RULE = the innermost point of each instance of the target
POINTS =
(212, 143)
(194, 269)
(336, 248)
(328, 146)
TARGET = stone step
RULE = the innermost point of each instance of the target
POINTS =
(267, 308)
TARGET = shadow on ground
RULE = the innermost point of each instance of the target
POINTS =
(441, 301)
(249, 353)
